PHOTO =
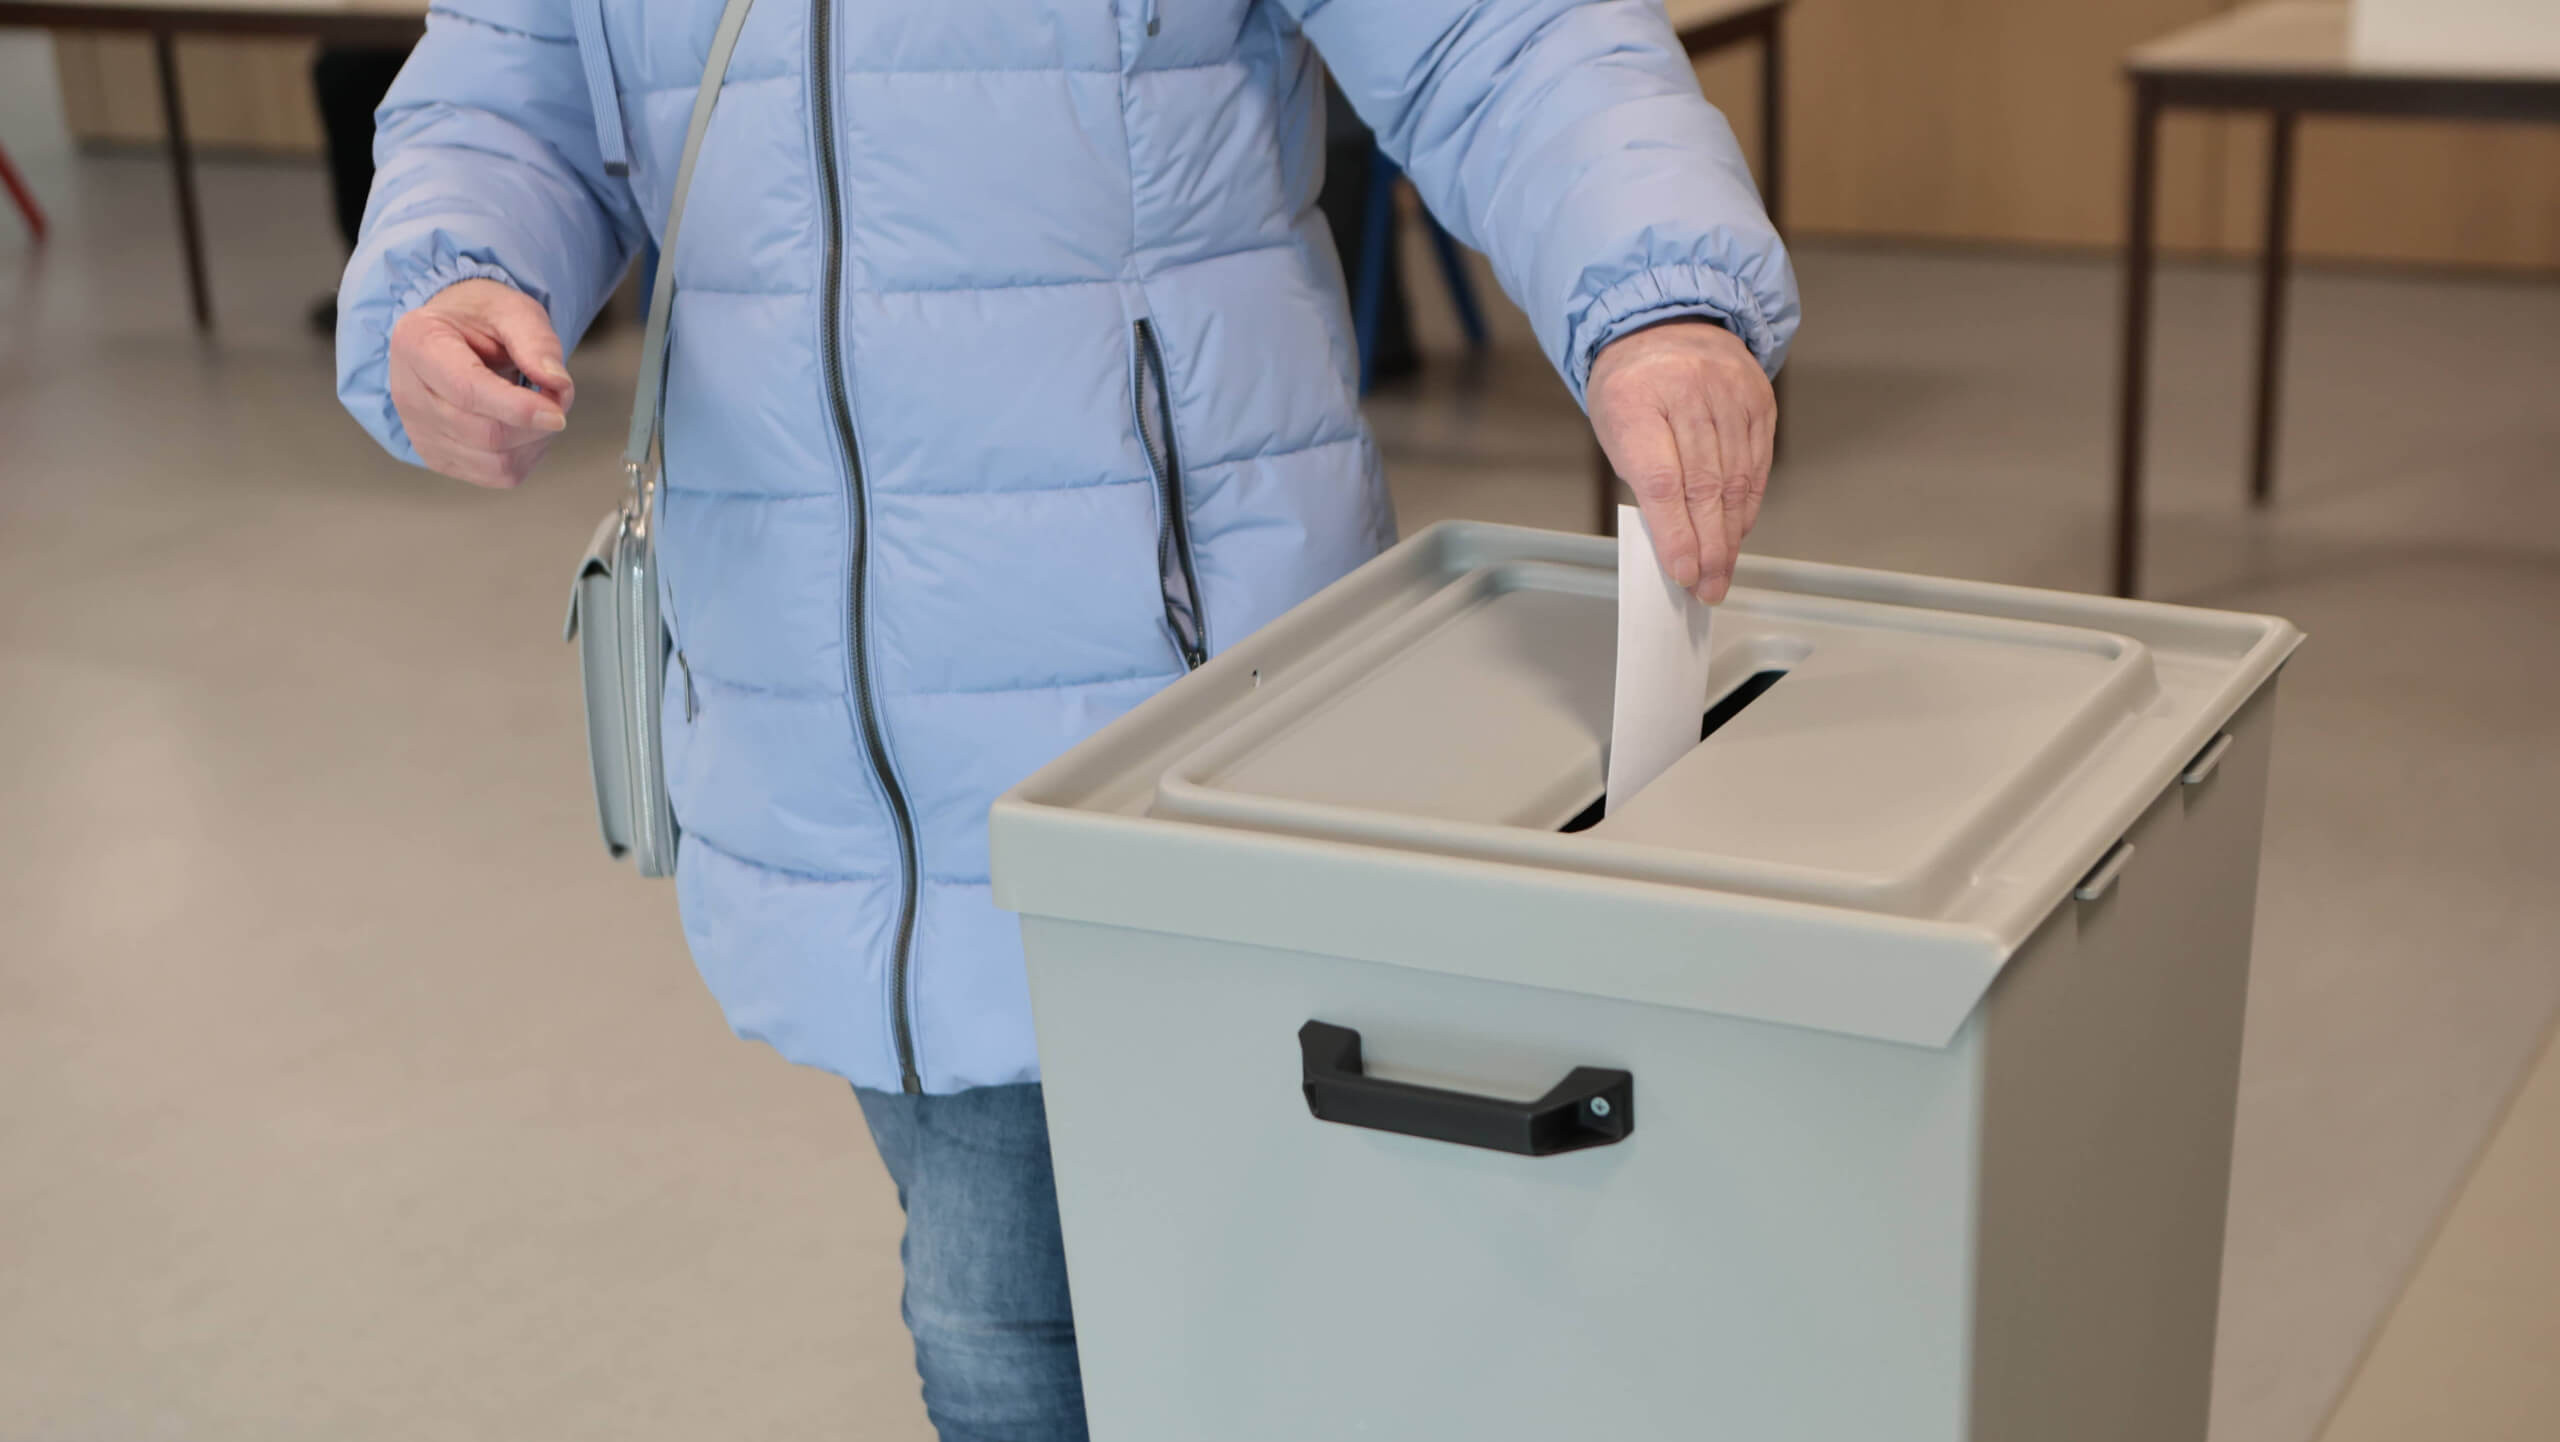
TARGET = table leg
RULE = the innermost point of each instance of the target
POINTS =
(1773, 155)
(2275, 264)
(1773, 109)
(182, 169)
(1604, 492)
(2137, 335)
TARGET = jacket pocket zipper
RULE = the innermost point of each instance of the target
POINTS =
(1176, 575)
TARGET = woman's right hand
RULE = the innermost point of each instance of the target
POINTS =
(458, 364)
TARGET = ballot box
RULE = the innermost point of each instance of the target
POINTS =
(1867, 1075)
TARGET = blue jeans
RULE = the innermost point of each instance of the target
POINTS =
(986, 1296)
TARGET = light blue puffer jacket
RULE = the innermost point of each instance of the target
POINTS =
(1011, 373)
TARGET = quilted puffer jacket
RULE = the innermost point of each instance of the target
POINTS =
(1012, 375)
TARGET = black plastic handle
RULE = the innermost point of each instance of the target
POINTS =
(1592, 1107)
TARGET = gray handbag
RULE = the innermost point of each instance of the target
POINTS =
(622, 639)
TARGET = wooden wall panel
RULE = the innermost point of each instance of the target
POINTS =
(263, 97)
(1982, 120)
(247, 94)
(2407, 192)
(2004, 121)
(1999, 121)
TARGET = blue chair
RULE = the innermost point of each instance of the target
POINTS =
(1377, 228)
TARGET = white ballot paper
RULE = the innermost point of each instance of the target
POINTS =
(1662, 666)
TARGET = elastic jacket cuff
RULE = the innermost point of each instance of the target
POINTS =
(1670, 293)
(446, 274)
(369, 381)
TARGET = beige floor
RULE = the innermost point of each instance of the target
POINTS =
(345, 1093)
(2472, 1351)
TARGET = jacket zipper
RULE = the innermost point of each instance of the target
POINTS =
(858, 527)
(1176, 575)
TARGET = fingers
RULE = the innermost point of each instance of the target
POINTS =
(1699, 387)
(1740, 480)
(468, 454)
(457, 434)
(466, 431)
(1764, 450)
(1705, 474)
(524, 329)
(504, 470)
(465, 419)
(455, 375)
(1641, 447)
(455, 363)
(494, 468)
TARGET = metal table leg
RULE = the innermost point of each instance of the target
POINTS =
(1773, 109)
(2137, 335)
(1773, 154)
(182, 170)
(2275, 265)
(1604, 492)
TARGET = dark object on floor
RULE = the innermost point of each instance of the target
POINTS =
(350, 81)
(1379, 258)
(1348, 150)
(1359, 204)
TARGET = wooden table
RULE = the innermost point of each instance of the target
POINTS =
(349, 22)
(2288, 58)
(1705, 27)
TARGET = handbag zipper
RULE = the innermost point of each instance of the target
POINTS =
(858, 529)
(1176, 575)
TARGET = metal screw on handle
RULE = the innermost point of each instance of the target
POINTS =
(1599, 1106)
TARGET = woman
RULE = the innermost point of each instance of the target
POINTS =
(1012, 377)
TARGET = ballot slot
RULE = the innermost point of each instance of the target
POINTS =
(1726, 707)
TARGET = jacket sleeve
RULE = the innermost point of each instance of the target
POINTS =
(1567, 140)
(488, 164)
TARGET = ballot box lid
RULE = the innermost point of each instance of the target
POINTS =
(1892, 763)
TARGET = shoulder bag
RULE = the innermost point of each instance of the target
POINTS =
(614, 620)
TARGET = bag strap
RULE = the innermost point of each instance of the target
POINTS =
(647, 401)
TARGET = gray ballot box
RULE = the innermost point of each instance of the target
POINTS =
(1867, 1077)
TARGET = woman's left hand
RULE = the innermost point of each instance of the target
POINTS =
(1687, 416)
